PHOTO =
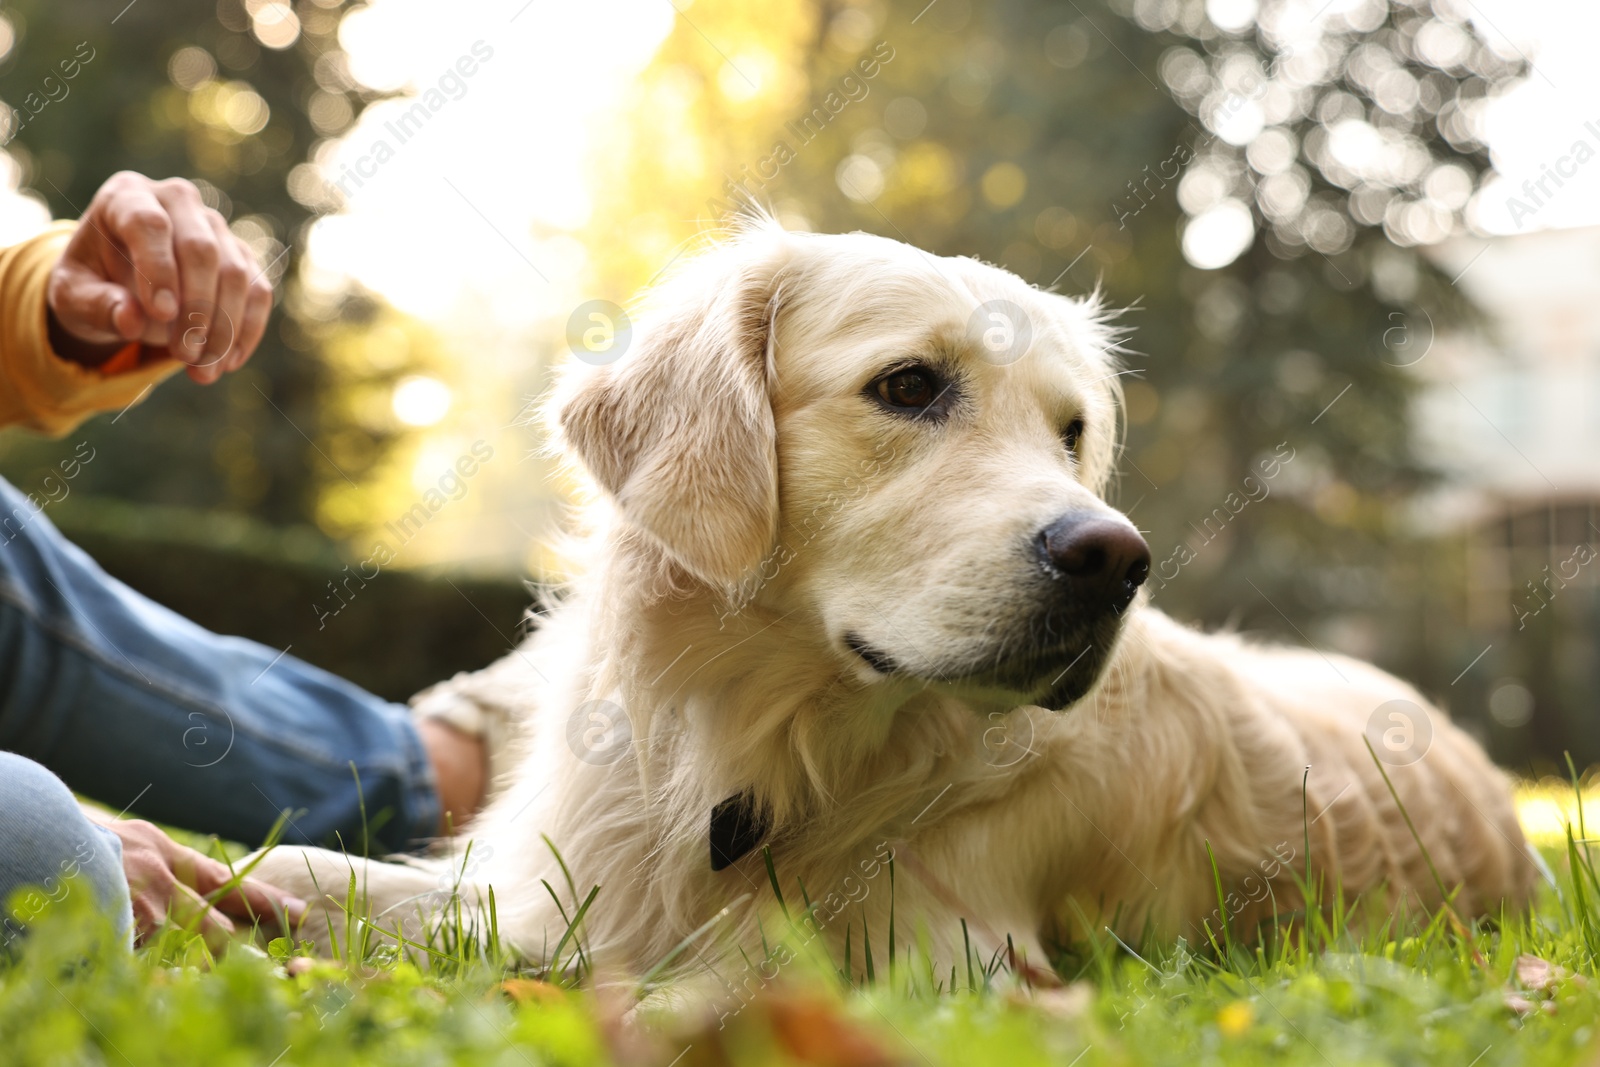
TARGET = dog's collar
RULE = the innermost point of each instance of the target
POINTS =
(737, 826)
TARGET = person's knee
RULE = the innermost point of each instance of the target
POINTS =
(45, 842)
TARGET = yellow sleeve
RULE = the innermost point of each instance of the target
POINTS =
(39, 389)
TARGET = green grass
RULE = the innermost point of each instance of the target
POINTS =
(1338, 985)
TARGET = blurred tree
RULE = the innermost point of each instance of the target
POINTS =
(239, 97)
(705, 107)
(367, 352)
(235, 96)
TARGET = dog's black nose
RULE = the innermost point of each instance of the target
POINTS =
(1103, 557)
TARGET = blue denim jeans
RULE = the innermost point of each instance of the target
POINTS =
(49, 849)
(141, 709)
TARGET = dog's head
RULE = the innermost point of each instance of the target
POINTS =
(904, 453)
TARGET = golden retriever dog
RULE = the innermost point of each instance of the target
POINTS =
(850, 593)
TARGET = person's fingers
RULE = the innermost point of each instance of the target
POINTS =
(195, 869)
(250, 899)
(92, 309)
(235, 265)
(195, 244)
(137, 227)
(156, 334)
(128, 318)
(149, 873)
(149, 911)
(191, 911)
(257, 310)
(258, 900)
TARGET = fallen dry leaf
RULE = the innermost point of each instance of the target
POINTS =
(531, 990)
(814, 1031)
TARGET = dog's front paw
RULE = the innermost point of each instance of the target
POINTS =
(318, 877)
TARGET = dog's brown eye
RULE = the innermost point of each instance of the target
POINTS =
(1070, 436)
(914, 389)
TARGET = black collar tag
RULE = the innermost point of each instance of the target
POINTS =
(736, 828)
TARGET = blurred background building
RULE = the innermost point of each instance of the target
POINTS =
(1510, 416)
(1318, 212)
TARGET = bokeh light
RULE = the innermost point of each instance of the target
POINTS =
(1219, 235)
(420, 401)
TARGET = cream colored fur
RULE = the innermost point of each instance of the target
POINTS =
(751, 506)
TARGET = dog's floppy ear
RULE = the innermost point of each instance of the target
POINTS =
(680, 431)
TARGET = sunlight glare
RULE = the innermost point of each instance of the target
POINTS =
(420, 401)
(452, 190)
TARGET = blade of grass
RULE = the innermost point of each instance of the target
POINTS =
(572, 928)
(677, 950)
(361, 802)
(1305, 820)
(1406, 815)
(891, 921)
(1222, 903)
(236, 877)
(572, 886)
(494, 928)
(772, 876)
(1580, 896)
(555, 961)
(1583, 835)
(350, 922)
(966, 955)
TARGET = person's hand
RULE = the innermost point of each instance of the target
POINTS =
(151, 263)
(166, 879)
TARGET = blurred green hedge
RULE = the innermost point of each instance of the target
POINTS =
(403, 631)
